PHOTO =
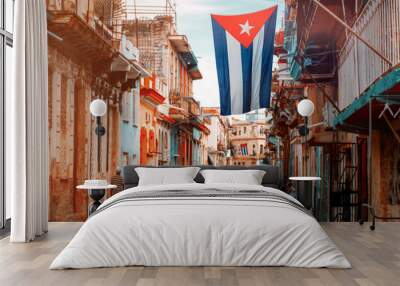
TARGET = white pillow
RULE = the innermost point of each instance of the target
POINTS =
(166, 176)
(248, 177)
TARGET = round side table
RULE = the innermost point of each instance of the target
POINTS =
(96, 193)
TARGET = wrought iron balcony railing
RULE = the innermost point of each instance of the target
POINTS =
(188, 104)
(105, 17)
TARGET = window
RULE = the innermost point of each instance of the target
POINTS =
(243, 149)
(6, 71)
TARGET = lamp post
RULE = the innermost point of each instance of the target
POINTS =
(98, 108)
(306, 108)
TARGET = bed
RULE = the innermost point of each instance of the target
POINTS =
(201, 224)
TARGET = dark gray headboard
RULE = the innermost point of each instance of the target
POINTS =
(270, 179)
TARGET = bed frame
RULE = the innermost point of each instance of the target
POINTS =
(271, 178)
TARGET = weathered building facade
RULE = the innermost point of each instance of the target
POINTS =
(86, 62)
(174, 66)
(350, 84)
(247, 141)
(218, 153)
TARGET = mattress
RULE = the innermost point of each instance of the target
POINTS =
(201, 225)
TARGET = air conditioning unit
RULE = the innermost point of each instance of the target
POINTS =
(129, 50)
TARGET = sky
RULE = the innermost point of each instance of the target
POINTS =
(194, 20)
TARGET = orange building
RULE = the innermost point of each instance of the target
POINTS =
(150, 99)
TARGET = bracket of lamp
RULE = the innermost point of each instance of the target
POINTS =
(303, 130)
(100, 129)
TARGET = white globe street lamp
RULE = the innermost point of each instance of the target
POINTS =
(305, 107)
(98, 107)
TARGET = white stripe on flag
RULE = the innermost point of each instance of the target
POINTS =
(235, 74)
(258, 44)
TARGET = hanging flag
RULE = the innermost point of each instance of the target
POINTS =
(244, 46)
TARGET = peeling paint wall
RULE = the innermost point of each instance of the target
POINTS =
(69, 98)
(72, 140)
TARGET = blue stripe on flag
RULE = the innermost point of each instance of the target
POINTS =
(247, 63)
(221, 59)
(267, 57)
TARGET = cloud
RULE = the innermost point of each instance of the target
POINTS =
(206, 90)
(190, 7)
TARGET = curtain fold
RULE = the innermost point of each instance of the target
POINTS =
(27, 150)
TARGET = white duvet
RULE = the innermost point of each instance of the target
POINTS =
(202, 232)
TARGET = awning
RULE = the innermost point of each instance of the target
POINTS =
(186, 55)
(132, 68)
(384, 91)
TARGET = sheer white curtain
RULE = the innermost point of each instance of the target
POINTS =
(27, 142)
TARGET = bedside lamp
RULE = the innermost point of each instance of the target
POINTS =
(98, 108)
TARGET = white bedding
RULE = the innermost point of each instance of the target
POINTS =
(200, 231)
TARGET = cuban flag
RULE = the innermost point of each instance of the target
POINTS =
(244, 46)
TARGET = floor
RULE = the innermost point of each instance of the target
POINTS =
(375, 256)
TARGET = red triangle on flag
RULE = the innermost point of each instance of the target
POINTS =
(244, 27)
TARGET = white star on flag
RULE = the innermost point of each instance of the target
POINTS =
(246, 28)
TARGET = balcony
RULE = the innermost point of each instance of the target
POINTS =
(180, 109)
(359, 67)
(151, 96)
(194, 106)
(188, 106)
(87, 29)
(187, 57)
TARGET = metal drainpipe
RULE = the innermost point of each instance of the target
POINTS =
(305, 144)
(369, 169)
(98, 124)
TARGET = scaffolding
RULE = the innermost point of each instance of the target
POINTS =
(136, 9)
(148, 24)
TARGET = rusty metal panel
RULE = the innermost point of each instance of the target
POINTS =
(359, 67)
